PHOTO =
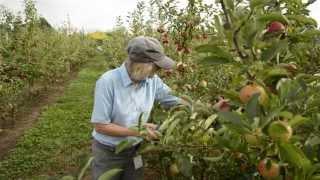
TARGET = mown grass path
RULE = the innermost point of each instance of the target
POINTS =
(59, 143)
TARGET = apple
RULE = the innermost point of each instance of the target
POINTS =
(173, 169)
(251, 139)
(243, 167)
(203, 84)
(249, 90)
(181, 66)
(276, 26)
(187, 50)
(280, 130)
(179, 48)
(204, 36)
(268, 171)
(161, 29)
(165, 41)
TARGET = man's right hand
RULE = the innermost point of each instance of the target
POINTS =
(151, 131)
(152, 135)
(119, 131)
(151, 126)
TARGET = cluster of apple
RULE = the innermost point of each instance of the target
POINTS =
(165, 40)
(180, 47)
(164, 35)
(180, 39)
(267, 168)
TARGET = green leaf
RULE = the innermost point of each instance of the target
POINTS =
(67, 178)
(172, 126)
(297, 120)
(205, 48)
(234, 122)
(253, 108)
(276, 72)
(210, 120)
(230, 4)
(124, 145)
(295, 156)
(167, 122)
(218, 26)
(217, 55)
(289, 90)
(211, 60)
(315, 171)
(221, 52)
(313, 141)
(251, 37)
(286, 114)
(272, 51)
(257, 3)
(266, 18)
(110, 174)
(83, 170)
(185, 165)
(213, 159)
(270, 117)
(149, 148)
(232, 95)
(306, 36)
(223, 142)
(301, 19)
(315, 177)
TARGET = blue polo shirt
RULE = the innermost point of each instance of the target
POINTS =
(117, 100)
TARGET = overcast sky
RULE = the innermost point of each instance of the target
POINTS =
(92, 15)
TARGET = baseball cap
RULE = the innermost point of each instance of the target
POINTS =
(146, 49)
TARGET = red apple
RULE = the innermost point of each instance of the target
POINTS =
(268, 171)
(161, 29)
(249, 90)
(275, 26)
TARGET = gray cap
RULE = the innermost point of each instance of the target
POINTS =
(147, 49)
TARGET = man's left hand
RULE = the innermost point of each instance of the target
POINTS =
(222, 105)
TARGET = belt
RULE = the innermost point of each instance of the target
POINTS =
(113, 148)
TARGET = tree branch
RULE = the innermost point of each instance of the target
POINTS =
(235, 37)
(225, 12)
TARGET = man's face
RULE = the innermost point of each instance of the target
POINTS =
(141, 71)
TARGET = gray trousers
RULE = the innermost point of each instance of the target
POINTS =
(106, 159)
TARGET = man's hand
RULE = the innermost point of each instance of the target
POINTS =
(222, 105)
(150, 126)
(184, 101)
(152, 133)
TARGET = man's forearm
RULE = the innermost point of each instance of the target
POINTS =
(115, 130)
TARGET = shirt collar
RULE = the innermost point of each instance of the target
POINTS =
(126, 80)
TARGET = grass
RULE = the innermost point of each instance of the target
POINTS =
(59, 143)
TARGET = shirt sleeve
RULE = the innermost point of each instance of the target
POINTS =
(164, 96)
(103, 100)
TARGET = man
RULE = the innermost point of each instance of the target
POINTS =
(121, 96)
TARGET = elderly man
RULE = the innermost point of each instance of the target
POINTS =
(121, 96)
